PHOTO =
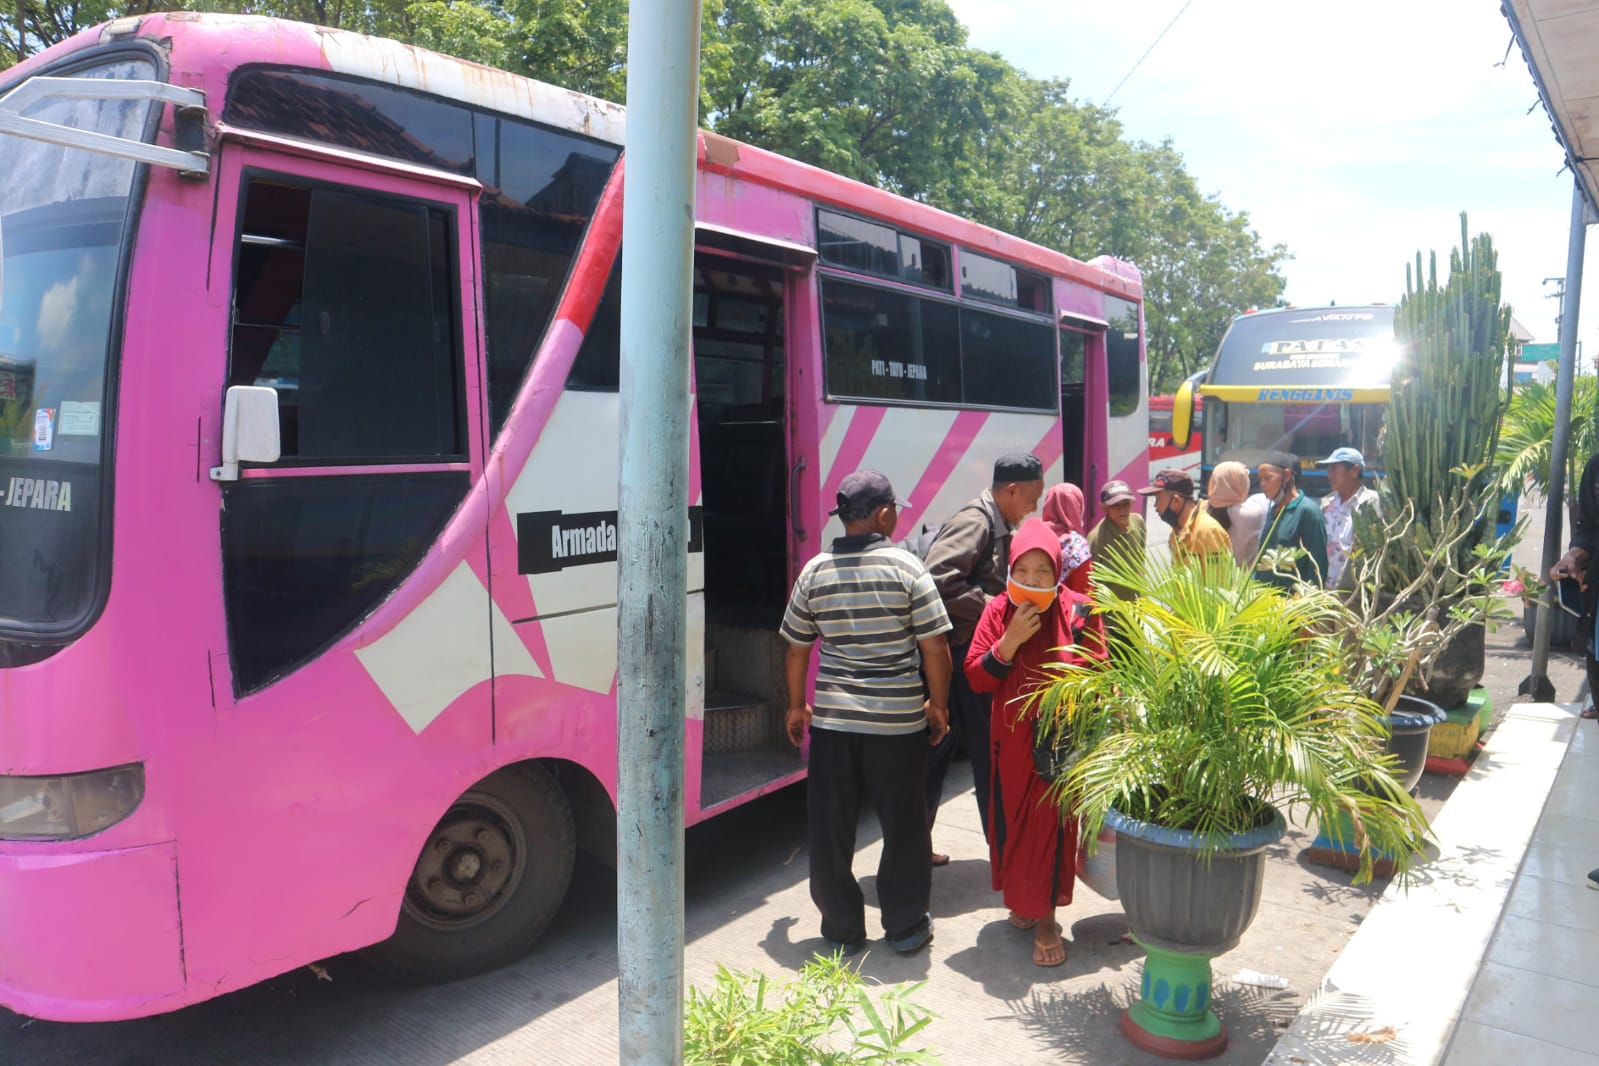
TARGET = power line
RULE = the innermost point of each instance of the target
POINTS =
(1151, 48)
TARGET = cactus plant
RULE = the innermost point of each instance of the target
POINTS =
(1448, 400)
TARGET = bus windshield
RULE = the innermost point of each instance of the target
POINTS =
(63, 217)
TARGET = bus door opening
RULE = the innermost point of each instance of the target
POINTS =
(1074, 344)
(740, 371)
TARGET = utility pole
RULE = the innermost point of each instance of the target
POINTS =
(1537, 683)
(1559, 296)
(663, 80)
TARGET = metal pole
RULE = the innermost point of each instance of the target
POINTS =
(1538, 682)
(652, 578)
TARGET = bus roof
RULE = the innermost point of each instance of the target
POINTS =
(1306, 354)
(212, 46)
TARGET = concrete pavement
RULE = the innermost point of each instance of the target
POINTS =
(748, 908)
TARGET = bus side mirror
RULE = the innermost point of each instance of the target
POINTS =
(1182, 415)
(249, 430)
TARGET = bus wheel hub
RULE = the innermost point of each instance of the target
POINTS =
(465, 866)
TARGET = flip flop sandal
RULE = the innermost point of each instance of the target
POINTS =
(939, 859)
(1590, 712)
(1060, 942)
(1018, 922)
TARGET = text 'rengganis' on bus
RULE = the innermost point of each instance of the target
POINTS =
(1300, 380)
(344, 676)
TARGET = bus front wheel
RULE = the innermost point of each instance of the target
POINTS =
(488, 881)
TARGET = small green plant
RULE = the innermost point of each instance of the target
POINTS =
(826, 1018)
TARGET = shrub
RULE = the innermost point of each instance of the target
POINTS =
(826, 1018)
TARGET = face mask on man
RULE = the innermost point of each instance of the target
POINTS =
(1172, 513)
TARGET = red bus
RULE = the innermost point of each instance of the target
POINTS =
(1161, 447)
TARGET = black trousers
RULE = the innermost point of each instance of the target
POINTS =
(968, 727)
(844, 768)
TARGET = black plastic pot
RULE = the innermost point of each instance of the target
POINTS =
(1182, 895)
(1409, 728)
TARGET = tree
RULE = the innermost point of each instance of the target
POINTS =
(884, 91)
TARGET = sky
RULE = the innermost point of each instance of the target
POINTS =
(1353, 133)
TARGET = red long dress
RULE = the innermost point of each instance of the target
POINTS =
(1032, 846)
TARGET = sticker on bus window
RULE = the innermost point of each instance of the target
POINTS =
(44, 429)
(79, 419)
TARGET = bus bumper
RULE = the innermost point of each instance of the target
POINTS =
(90, 935)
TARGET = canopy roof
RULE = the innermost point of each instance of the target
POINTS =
(1560, 39)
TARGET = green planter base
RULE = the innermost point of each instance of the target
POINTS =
(1172, 1017)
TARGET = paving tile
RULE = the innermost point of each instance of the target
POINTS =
(1536, 1005)
(1570, 828)
(1481, 1045)
(1547, 948)
(1568, 863)
(1563, 903)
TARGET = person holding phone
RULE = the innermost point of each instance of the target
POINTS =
(1574, 565)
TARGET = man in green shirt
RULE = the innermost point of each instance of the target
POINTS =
(1120, 531)
(1294, 521)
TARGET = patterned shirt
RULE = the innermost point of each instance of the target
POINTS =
(868, 603)
(1339, 516)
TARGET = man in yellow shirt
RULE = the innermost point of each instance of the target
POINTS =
(1194, 534)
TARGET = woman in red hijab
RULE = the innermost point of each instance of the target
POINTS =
(1032, 844)
(1063, 513)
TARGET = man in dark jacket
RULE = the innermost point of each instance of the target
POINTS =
(1574, 565)
(969, 561)
(1294, 521)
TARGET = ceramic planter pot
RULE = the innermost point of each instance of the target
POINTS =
(1185, 908)
(1456, 670)
(1409, 728)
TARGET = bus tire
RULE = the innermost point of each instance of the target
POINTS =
(487, 883)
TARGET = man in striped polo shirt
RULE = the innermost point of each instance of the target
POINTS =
(872, 606)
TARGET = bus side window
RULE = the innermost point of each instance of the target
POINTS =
(1123, 366)
(344, 304)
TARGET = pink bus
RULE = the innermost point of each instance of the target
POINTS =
(360, 691)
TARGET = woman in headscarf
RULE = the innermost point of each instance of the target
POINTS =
(1241, 514)
(1063, 513)
(1032, 842)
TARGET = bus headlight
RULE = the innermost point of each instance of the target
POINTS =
(68, 806)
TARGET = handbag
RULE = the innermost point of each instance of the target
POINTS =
(1052, 756)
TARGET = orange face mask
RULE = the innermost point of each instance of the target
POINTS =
(1020, 594)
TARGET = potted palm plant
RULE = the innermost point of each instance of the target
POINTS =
(1219, 707)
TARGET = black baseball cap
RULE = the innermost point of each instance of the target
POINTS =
(1171, 480)
(865, 490)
